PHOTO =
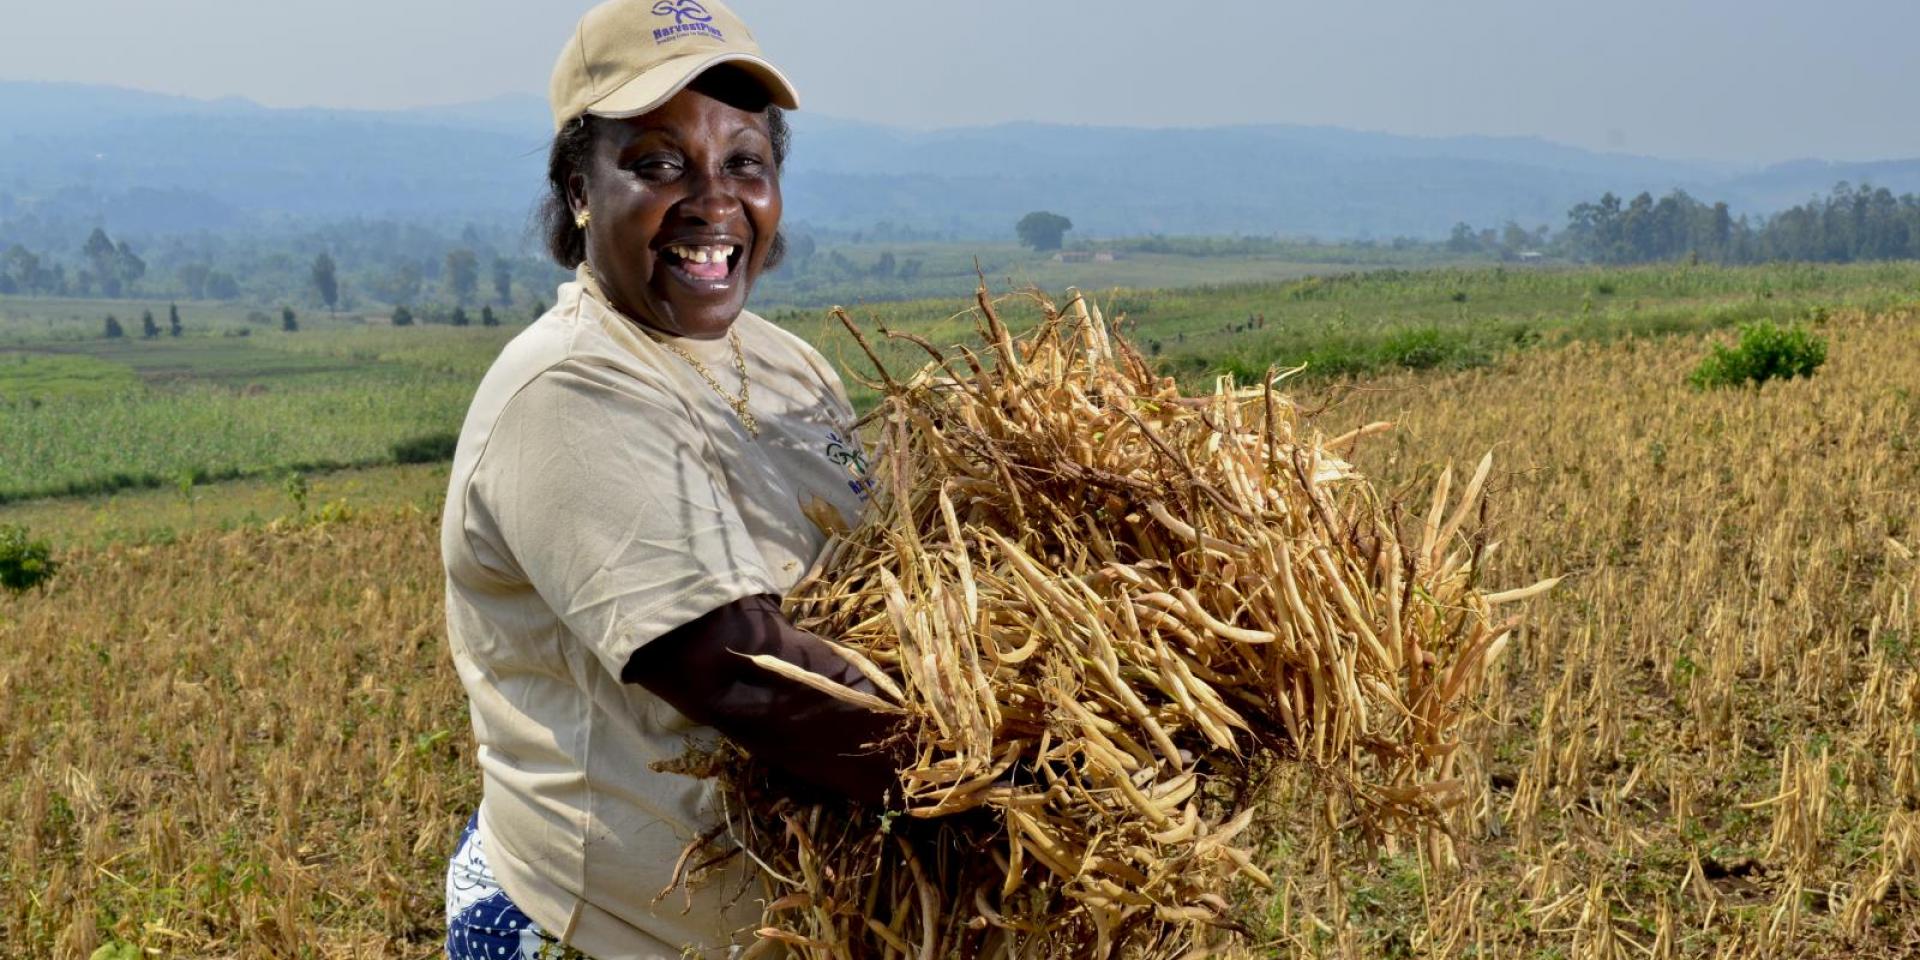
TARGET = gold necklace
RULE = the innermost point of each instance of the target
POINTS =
(739, 403)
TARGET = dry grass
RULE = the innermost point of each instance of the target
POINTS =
(237, 745)
(1707, 744)
(250, 744)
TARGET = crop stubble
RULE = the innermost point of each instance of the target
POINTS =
(250, 744)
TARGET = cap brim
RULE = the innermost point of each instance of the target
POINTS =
(658, 85)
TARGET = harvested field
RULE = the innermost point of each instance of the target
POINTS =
(1707, 744)
(250, 744)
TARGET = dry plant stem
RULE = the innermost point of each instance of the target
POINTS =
(1103, 611)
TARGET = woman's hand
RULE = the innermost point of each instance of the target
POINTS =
(701, 668)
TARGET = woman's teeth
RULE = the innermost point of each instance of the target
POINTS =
(704, 263)
(702, 254)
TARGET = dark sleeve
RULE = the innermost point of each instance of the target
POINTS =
(699, 668)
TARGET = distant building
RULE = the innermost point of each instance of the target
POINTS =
(1531, 256)
(1105, 256)
(1072, 256)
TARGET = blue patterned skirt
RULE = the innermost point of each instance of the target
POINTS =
(482, 923)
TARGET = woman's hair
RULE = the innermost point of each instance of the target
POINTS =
(566, 243)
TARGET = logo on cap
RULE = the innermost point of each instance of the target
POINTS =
(683, 11)
(689, 19)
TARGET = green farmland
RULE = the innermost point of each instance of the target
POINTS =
(236, 397)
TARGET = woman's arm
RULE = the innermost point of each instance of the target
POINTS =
(701, 668)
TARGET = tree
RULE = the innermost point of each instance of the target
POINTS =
(459, 317)
(1042, 230)
(326, 281)
(1462, 239)
(173, 319)
(20, 265)
(113, 330)
(127, 267)
(99, 248)
(397, 284)
(487, 319)
(103, 256)
(148, 328)
(222, 286)
(463, 275)
(402, 317)
(194, 277)
(502, 281)
(802, 247)
(288, 321)
(1515, 237)
(885, 266)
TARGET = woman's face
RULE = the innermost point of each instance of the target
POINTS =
(685, 203)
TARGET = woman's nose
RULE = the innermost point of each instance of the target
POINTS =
(710, 198)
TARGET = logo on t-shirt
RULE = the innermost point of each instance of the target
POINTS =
(851, 458)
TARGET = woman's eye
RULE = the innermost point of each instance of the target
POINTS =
(656, 168)
(747, 164)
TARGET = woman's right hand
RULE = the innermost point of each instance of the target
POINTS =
(701, 668)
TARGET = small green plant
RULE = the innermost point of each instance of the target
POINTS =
(430, 448)
(115, 950)
(25, 563)
(1765, 352)
(1420, 348)
(297, 490)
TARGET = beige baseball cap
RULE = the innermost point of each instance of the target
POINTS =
(628, 56)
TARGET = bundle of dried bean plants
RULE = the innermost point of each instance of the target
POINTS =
(1102, 610)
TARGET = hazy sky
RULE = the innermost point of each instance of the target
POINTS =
(1741, 80)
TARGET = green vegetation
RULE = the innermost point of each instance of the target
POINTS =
(25, 563)
(1042, 230)
(431, 448)
(94, 417)
(1847, 225)
(235, 396)
(27, 377)
(1766, 351)
(1359, 323)
(164, 514)
(872, 270)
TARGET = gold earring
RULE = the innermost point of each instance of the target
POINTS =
(582, 218)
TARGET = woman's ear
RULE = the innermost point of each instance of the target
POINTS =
(576, 192)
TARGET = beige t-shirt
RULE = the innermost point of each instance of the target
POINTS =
(602, 494)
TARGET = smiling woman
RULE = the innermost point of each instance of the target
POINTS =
(635, 487)
(587, 154)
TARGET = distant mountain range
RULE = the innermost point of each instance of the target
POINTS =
(142, 163)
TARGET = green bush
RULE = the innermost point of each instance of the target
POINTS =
(24, 563)
(1765, 352)
(1420, 348)
(431, 448)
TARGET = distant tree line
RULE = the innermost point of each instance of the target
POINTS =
(443, 278)
(109, 270)
(1864, 223)
(338, 267)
